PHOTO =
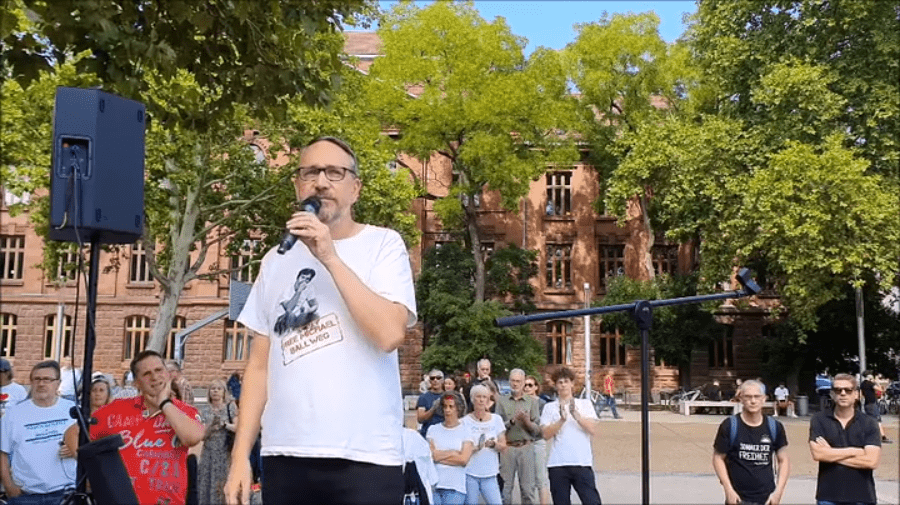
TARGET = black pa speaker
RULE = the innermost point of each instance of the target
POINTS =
(97, 167)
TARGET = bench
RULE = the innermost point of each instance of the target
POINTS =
(736, 407)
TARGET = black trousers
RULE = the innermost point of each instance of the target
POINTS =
(291, 480)
(564, 478)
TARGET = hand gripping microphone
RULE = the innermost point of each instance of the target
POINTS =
(311, 204)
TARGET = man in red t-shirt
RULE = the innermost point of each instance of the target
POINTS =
(157, 431)
(609, 389)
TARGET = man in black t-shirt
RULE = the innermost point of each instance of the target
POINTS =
(743, 452)
(847, 445)
(870, 402)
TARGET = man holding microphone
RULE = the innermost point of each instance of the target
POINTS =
(323, 441)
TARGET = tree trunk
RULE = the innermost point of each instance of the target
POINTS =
(475, 239)
(180, 271)
(639, 245)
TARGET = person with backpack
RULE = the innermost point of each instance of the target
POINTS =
(749, 450)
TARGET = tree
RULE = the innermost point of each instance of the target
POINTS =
(479, 103)
(629, 80)
(206, 72)
(677, 329)
(459, 331)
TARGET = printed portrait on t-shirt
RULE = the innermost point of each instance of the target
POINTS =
(300, 308)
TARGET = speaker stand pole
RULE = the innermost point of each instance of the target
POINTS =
(90, 340)
(643, 316)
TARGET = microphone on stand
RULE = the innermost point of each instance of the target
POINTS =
(311, 204)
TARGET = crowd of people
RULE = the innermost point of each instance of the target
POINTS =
(481, 447)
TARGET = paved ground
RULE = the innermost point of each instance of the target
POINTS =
(681, 460)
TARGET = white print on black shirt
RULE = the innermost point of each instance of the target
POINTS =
(758, 454)
(316, 335)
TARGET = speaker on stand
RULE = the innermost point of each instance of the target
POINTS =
(97, 197)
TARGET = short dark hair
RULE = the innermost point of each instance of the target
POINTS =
(51, 364)
(563, 373)
(141, 356)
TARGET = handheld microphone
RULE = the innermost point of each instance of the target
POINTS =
(311, 204)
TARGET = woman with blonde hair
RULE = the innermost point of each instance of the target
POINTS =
(101, 394)
(220, 419)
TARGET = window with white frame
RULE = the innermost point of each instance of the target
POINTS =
(140, 268)
(242, 267)
(12, 257)
(559, 266)
(57, 341)
(137, 332)
(236, 346)
(178, 324)
(559, 193)
(8, 335)
(67, 268)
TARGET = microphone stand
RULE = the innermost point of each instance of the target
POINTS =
(642, 312)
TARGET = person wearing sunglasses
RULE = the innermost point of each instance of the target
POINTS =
(847, 445)
(428, 406)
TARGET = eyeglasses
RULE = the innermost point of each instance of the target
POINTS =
(529, 385)
(332, 173)
(44, 380)
(435, 378)
(843, 390)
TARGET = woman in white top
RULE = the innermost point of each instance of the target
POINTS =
(451, 447)
(490, 438)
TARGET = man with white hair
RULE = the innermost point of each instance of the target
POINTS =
(743, 452)
(521, 417)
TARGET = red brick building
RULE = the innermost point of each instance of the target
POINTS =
(577, 247)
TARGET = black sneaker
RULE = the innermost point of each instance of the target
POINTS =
(886, 440)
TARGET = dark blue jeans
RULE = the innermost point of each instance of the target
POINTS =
(54, 498)
(564, 478)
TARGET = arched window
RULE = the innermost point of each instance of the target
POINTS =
(57, 342)
(8, 335)
(137, 332)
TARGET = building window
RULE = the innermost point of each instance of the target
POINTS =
(612, 262)
(140, 269)
(559, 343)
(665, 259)
(612, 350)
(67, 268)
(559, 194)
(178, 324)
(137, 332)
(237, 341)
(242, 268)
(57, 344)
(7, 335)
(721, 350)
(559, 266)
(12, 257)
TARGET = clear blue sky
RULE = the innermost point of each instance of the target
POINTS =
(549, 22)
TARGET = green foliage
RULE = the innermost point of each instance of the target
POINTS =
(677, 329)
(460, 331)
(479, 102)
(253, 53)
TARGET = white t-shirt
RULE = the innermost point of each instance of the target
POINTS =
(30, 435)
(331, 392)
(450, 439)
(571, 445)
(781, 393)
(484, 462)
(10, 395)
